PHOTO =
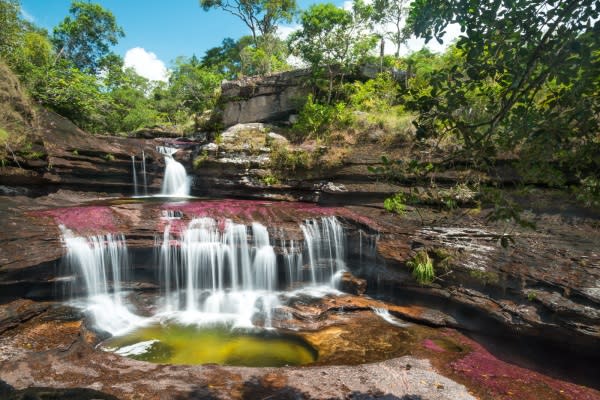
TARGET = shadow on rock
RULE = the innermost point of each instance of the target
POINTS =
(371, 396)
(7, 392)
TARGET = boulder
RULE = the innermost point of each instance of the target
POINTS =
(263, 99)
(350, 284)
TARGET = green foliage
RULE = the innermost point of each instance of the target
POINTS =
(260, 16)
(316, 120)
(390, 14)
(526, 82)
(85, 37)
(396, 204)
(109, 157)
(422, 267)
(332, 39)
(286, 160)
(192, 87)
(12, 28)
(71, 93)
(3, 136)
(270, 180)
(589, 192)
(377, 94)
(200, 159)
(268, 56)
(531, 295)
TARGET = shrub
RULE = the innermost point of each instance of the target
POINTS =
(316, 120)
(284, 159)
(377, 94)
(422, 267)
(395, 204)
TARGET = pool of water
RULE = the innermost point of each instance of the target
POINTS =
(180, 344)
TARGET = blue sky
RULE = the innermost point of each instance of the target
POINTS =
(166, 28)
(158, 31)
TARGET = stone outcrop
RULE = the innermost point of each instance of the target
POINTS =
(263, 99)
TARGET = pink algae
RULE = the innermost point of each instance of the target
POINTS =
(431, 345)
(507, 381)
(92, 219)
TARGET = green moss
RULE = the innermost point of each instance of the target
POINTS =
(284, 159)
(109, 157)
(198, 161)
(270, 180)
(3, 136)
(487, 277)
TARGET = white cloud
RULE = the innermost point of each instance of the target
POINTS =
(285, 31)
(146, 64)
(27, 16)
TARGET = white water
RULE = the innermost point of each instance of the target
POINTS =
(176, 182)
(214, 271)
(144, 173)
(102, 262)
(135, 182)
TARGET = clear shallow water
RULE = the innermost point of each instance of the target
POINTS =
(180, 344)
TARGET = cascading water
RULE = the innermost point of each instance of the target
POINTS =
(101, 260)
(144, 173)
(211, 271)
(176, 183)
(135, 182)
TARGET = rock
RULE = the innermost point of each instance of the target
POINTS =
(350, 284)
(263, 99)
(275, 137)
(210, 147)
(250, 138)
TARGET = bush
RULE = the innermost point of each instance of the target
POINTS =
(377, 94)
(285, 160)
(317, 120)
(422, 267)
(395, 204)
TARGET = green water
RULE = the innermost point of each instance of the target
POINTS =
(178, 344)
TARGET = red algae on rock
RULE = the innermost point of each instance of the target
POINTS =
(249, 209)
(83, 220)
(501, 380)
(431, 345)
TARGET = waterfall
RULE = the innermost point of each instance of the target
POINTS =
(211, 271)
(102, 260)
(324, 241)
(135, 183)
(144, 173)
(175, 182)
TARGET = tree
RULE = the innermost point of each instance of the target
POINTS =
(529, 82)
(333, 39)
(391, 13)
(225, 59)
(194, 85)
(12, 28)
(260, 16)
(85, 37)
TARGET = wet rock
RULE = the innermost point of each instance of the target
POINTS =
(15, 313)
(350, 284)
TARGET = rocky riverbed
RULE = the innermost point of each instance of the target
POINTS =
(483, 290)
